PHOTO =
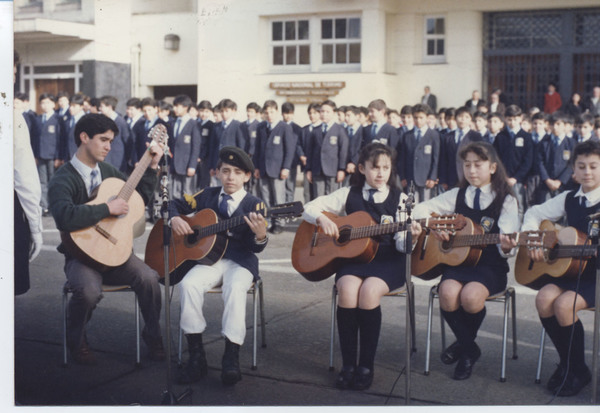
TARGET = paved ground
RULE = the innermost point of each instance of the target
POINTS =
(292, 369)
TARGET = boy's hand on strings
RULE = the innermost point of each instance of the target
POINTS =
(507, 243)
(257, 224)
(180, 227)
(328, 226)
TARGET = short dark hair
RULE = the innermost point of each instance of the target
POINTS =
(353, 109)
(227, 104)
(313, 106)
(93, 124)
(560, 116)
(253, 105)
(77, 99)
(364, 110)
(481, 115)
(62, 94)
(135, 102)
(422, 108)
(450, 113)
(183, 100)
(149, 102)
(586, 118)
(497, 115)
(47, 96)
(586, 148)
(109, 101)
(377, 104)
(329, 102)
(539, 116)
(162, 105)
(463, 109)
(95, 102)
(287, 107)
(513, 111)
(391, 112)
(22, 96)
(406, 110)
(205, 104)
(269, 104)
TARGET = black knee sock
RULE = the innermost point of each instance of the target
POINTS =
(577, 361)
(369, 322)
(457, 323)
(347, 321)
(553, 329)
(473, 322)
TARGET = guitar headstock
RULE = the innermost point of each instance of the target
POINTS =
(538, 239)
(450, 223)
(158, 134)
(289, 210)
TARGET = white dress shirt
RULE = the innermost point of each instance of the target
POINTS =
(85, 173)
(335, 203)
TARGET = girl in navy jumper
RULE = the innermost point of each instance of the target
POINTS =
(483, 192)
(560, 299)
(361, 285)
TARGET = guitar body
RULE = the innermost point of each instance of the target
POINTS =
(185, 251)
(317, 256)
(113, 244)
(430, 255)
(530, 273)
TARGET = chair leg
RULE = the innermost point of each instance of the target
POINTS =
(332, 329)
(65, 297)
(137, 332)
(507, 298)
(180, 343)
(254, 324)
(538, 372)
(411, 304)
(429, 324)
(262, 313)
(514, 322)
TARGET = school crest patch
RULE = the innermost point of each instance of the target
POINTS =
(386, 219)
(333, 140)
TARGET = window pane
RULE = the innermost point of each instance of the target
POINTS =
(354, 29)
(355, 53)
(440, 47)
(430, 47)
(278, 55)
(430, 26)
(290, 30)
(304, 55)
(439, 26)
(290, 55)
(326, 29)
(340, 28)
(277, 31)
(303, 29)
(341, 53)
(327, 53)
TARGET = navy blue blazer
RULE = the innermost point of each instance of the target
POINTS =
(421, 158)
(297, 130)
(449, 164)
(555, 163)
(355, 142)
(65, 120)
(327, 154)
(205, 138)
(185, 148)
(68, 145)
(516, 154)
(46, 144)
(241, 246)
(249, 131)
(275, 149)
(232, 135)
(121, 147)
(386, 134)
(141, 136)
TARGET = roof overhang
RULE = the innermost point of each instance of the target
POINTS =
(48, 30)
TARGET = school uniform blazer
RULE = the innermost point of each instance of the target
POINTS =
(386, 134)
(500, 109)
(65, 120)
(516, 154)
(46, 145)
(431, 101)
(355, 142)
(472, 105)
(449, 162)
(302, 144)
(297, 130)
(421, 158)
(249, 130)
(68, 145)
(121, 147)
(141, 137)
(275, 149)
(214, 145)
(185, 148)
(233, 136)
(555, 163)
(594, 109)
(327, 154)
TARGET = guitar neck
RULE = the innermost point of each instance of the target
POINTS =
(573, 251)
(135, 177)
(225, 225)
(381, 229)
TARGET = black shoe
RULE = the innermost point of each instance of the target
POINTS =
(276, 229)
(156, 350)
(464, 368)
(451, 354)
(363, 378)
(196, 367)
(575, 382)
(344, 379)
(230, 365)
(45, 213)
(556, 379)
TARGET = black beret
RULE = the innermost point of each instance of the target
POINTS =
(235, 156)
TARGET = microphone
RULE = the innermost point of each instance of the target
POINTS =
(410, 200)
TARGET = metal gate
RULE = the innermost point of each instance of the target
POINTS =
(524, 51)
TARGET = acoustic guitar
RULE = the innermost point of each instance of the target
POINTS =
(208, 242)
(565, 259)
(109, 243)
(430, 255)
(318, 256)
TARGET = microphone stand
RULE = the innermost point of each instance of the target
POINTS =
(408, 205)
(594, 232)
(169, 397)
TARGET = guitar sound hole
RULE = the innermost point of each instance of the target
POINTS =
(446, 245)
(193, 238)
(344, 236)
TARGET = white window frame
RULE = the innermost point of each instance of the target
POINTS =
(30, 77)
(437, 58)
(316, 45)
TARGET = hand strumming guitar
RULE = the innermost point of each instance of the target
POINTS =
(329, 227)
(118, 206)
(536, 254)
(180, 227)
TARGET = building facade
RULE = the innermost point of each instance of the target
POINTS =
(352, 51)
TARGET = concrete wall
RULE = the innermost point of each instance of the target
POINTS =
(107, 78)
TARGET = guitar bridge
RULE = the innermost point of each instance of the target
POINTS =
(105, 234)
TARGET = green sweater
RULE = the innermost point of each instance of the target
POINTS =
(67, 196)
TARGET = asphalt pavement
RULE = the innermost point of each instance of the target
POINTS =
(292, 369)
